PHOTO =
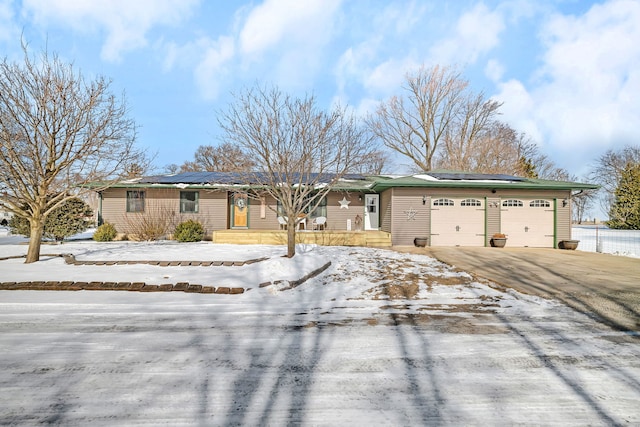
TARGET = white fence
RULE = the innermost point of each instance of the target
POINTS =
(603, 239)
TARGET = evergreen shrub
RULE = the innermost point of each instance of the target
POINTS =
(189, 231)
(71, 217)
(105, 233)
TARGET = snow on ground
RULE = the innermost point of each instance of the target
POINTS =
(380, 338)
(14, 270)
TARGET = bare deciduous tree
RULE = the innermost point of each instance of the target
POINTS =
(496, 149)
(375, 164)
(57, 132)
(171, 168)
(436, 106)
(582, 202)
(608, 169)
(223, 158)
(300, 151)
(472, 131)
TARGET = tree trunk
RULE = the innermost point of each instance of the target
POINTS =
(291, 237)
(35, 240)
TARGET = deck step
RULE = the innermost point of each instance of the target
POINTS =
(325, 238)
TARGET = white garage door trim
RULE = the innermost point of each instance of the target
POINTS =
(528, 222)
(458, 221)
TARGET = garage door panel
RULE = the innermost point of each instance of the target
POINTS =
(530, 224)
(455, 224)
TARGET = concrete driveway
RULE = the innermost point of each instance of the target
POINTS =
(606, 287)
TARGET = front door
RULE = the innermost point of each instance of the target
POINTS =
(239, 211)
(371, 211)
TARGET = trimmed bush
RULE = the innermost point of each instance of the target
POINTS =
(189, 231)
(151, 225)
(105, 233)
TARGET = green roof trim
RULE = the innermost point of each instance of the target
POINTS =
(360, 185)
(369, 183)
(386, 182)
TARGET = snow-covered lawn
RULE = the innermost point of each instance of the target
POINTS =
(380, 338)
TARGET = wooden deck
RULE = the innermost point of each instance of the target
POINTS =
(326, 238)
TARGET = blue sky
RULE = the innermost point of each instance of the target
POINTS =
(568, 71)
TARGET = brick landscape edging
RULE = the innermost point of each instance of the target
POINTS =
(295, 283)
(71, 260)
(143, 287)
(117, 286)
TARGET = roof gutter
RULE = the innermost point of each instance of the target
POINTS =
(529, 186)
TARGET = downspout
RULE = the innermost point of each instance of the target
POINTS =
(100, 221)
(555, 223)
(486, 221)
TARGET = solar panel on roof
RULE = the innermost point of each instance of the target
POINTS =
(231, 178)
(475, 176)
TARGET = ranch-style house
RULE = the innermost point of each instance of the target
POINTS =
(446, 208)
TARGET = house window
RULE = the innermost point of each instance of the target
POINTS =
(189, 202)
(443, 202)
(135, 200)
(320, 210)
(512, 203)
(540, 204)
(471, 202)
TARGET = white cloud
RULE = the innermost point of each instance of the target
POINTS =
(375, 63)
(367, 106)
(125, 22)
(583, 97)
(476, 33)
(388, 77)
(494, 70)
(355, 65)
(403, 16)
(293, 34)
(519, 108)
(592, 66)
(8, 30)
(212, 72)
(277, 23)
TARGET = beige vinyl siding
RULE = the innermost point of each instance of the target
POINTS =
(270, 220)
(406, 225)
(212, 210)
(385, 210)
(337, 217)
(563, 218)
(165, 203)
(531, 194)
(493, 218)
(114, 206)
